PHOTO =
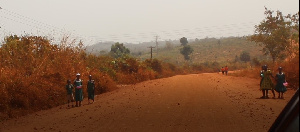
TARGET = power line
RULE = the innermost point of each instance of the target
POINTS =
(156, 38)
(197, 32)
(40, 26)
(25, 18)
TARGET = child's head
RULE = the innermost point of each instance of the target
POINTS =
(68, 81)
(280, 69)
(90, 77)
(265, 67)
(77, 75)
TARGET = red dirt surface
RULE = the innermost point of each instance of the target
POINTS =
(197, 102)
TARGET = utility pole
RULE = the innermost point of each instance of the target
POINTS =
(0, 9)
(151, 47)
(156, 38)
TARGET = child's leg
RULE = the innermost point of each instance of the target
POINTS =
(263, 92)
(72, 100)
(72, 103)
(282, 95)
(273, 93)
(267, 92)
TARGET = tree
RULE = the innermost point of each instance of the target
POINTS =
(118, 50)
(245, 56)
(274, 33)
(293, 50)
(186, 51)
(294, 19)
(183, 41)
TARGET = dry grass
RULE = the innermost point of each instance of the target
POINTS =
(34, 72)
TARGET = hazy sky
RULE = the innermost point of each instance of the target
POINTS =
(136, 20)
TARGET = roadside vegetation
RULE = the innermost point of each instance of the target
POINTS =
(278, 36)
(34, 70)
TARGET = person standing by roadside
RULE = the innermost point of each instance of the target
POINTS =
(78, 90)
(266, 82)
(226, 70)
(280, 83)
(223, 70)
(69, 88)
(91, 89)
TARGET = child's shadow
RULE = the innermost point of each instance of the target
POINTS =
(266, 98)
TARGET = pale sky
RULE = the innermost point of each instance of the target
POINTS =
(136, 21)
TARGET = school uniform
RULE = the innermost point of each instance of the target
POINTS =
(266, 82)
(280, 80)
(91, 89)
(69, 88)
(78, 90)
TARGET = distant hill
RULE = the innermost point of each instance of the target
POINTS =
(223, 50)
(104, 47)
(100, 47)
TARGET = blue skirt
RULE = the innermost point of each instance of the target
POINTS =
(78, 94)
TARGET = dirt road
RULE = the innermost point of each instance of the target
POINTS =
(197, 102)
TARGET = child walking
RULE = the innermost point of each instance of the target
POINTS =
(69, 88)
(91, 89)
(266, 82)
(226, 70)
(78, 90)
(223, 70)
(280, 80)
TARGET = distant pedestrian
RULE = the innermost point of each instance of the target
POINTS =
(70, 96)
(280, 83)
(266, 82)
(226, 70)
(78, 90)
(223, 70)
(91, 89)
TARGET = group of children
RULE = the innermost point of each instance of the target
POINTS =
(77, 85)
(266, 82)
(224, 70)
